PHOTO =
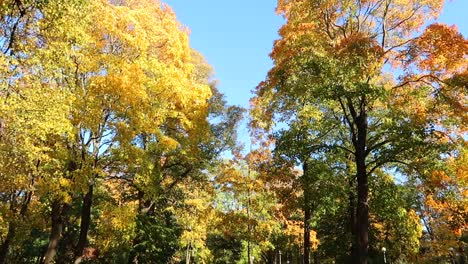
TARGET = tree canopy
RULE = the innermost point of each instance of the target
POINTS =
(116, 145)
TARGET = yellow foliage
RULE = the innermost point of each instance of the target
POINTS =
(83, 82)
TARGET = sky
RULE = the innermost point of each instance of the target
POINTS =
(236, 38)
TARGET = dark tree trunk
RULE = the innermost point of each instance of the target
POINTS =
(6, 243)
(362, 227)
(85, 223)
(352, 218)
(57, 215)
(269, 257)
(307, 214)
(132, 258)
(362, 214)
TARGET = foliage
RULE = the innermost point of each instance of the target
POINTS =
(225, 249)
(116, 145)
(354, 84)
(159, 238)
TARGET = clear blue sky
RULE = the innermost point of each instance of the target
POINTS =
(237, 36)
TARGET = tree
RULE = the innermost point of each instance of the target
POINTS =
(245, 206)
(298, 145)
(443, 208)
(34, 110)
(394, 221)
(122, 98)
(436, 62)
(333, 57)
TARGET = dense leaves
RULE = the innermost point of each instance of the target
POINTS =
(360, 92)
(116, 145)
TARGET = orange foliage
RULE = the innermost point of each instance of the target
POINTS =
(441, 50)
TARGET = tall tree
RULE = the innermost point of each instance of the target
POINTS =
(34, 102)
(334, 58)
(245, 206)
(122, 74)
(301, 146)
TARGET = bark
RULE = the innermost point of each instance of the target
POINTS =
(6, 243)
(307, 217)
(132, 259)
(362, 214)
(249, 257)
(85, 223)
(57, 215)
(307, 213)
(352, 218)
(362, 227)
(249, 228)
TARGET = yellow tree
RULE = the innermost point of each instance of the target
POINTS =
(35, 109)
(31, 123)
(245, 204)
(134, 83)
(121, 74)
(196, 216)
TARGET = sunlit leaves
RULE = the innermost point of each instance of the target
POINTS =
(337, 96)
(96, 94)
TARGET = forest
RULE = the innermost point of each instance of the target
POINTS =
(117, 145)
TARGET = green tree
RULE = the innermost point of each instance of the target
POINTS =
(333, 58)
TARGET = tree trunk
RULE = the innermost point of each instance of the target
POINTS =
(6, 243)
(272, 257)
(132, 258)
(362, 215)
(187, 254)
(362, 227)
(85, 222)
(352, 218)
(58, 211)
(249, 228)
(307, 217)
(307, 212)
